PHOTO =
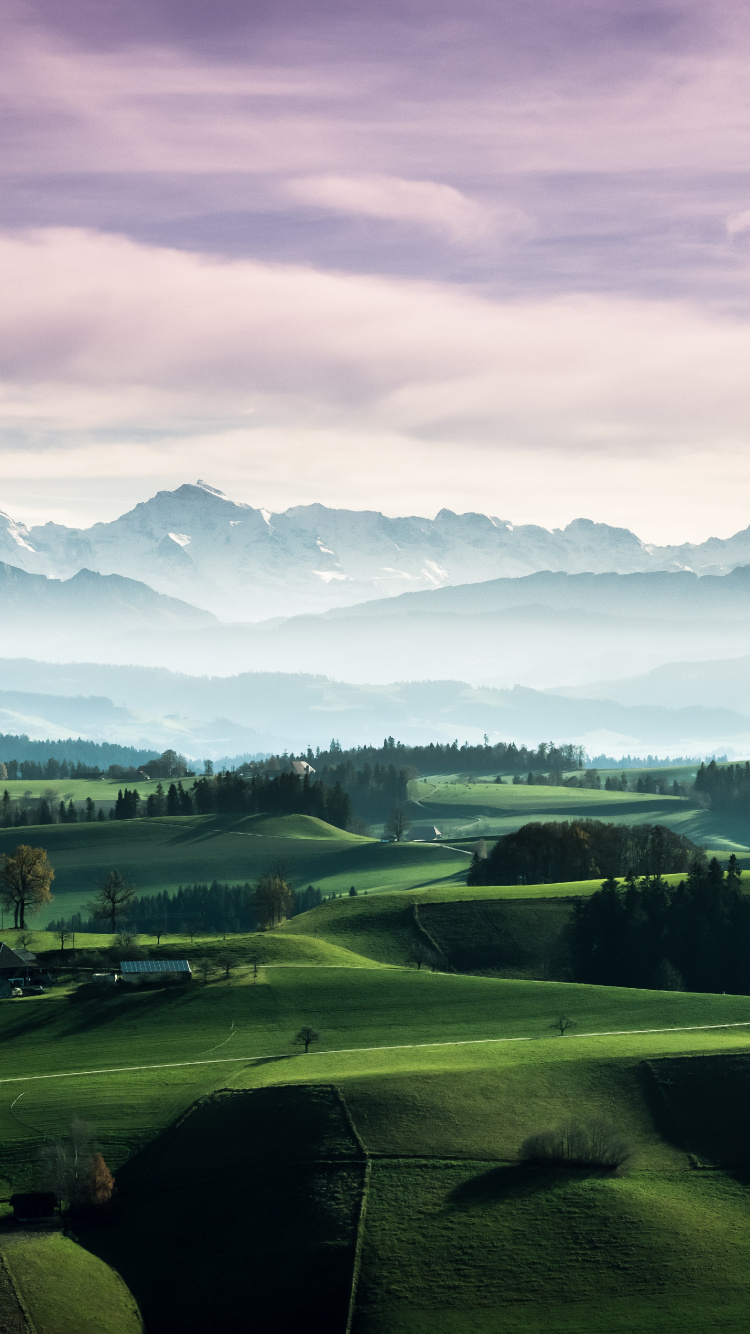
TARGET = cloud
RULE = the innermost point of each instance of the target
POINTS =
(425, 203)
(98, 330)
(738, 223)
(118, 358)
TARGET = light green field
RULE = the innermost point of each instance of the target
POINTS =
(103, 791)
(66, 1289)
(462, 810)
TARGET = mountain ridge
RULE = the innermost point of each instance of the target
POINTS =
(248, 563)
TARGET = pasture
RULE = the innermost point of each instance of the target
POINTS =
(476, 810)
(416, 1099)
(159, 854)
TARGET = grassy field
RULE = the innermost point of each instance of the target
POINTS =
(67, 1289)
(462, 810)
(163, 853)
(416, 1098)
(443, 1076)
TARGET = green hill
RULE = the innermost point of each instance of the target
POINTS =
(66, 1289)
(488, 809)
(159, 854)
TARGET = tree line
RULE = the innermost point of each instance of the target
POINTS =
(694, 936)
(201, 908)
(724, 788)
(542, 853)
(37, 759)
(234, 794)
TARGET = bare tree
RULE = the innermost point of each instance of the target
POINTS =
(255, 962)
(228, 961)
(205, 966)
(305, 1037)
(562, 1024)
(128, 942)
(398, 824)
(63, 936)
(592, 1143)
(112, 900)
(25, 879)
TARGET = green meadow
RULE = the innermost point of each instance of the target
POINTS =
(159, 854)
(486, 809)
(373, 1184)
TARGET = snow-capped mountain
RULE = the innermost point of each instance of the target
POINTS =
(244, 563)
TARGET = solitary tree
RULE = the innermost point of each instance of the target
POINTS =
(228, 961)
(562, 1024)
(63, 935)
(398, 824)
(305, 1037)
(254, 962)
(98, 1183)
(205, 967)
(273, 900)
(25, 879)
(420, 953)
(112, 900)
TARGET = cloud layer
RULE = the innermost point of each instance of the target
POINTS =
(324, 244)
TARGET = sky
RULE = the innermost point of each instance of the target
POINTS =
(485, 256)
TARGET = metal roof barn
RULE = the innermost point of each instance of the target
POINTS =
(155, 966)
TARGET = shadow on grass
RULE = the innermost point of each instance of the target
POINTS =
(515, 1181)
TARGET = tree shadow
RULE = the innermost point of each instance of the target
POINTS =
(514, 1181)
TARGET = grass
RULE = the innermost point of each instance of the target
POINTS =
(276, 1176)
(160, 854)
(67, 1290)
(488, 810)
(249, 1203)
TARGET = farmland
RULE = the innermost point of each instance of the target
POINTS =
(485, 809)
(416, 1098)
(163, 853)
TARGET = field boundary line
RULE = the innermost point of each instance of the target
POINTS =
(359, 1240)
(397, 1046)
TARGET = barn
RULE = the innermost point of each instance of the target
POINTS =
(136, 970)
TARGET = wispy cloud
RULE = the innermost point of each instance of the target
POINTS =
(424, 203)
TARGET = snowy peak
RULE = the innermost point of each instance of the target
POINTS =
(246, 563)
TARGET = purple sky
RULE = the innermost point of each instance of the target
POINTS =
(490, 255)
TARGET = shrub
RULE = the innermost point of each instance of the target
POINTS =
(592, 1143)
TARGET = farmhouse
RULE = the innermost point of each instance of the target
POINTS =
(21, 965)
(135, 970)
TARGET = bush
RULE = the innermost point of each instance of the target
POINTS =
(578, 1144)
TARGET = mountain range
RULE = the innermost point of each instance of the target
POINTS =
(214, 717)
(245, 563)
(538, 630)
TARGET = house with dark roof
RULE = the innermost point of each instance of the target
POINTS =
(22, 965)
